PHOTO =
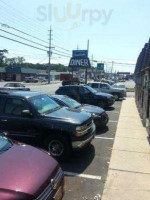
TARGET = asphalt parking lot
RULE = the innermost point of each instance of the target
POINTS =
(86, 172)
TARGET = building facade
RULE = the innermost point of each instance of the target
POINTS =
(16, 73)
(142, 90)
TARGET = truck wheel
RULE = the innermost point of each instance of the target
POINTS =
(116, 96)
(58, 146)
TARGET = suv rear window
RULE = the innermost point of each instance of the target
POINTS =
(94, 85)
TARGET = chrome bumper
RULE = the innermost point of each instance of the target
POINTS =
(81, 144)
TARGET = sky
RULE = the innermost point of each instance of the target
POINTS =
(116, 29)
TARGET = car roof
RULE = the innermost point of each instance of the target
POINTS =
(70, 86)
(25, 94)
(14, 83)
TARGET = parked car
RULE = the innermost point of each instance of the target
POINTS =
(87, 95)
(31, 80)
(99, 116)
(27, 173)
(15, 86)
(106, 88)
(36, 119)
(121, 86)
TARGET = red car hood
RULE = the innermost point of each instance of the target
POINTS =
(26, 169)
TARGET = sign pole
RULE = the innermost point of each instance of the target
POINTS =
(88, 43)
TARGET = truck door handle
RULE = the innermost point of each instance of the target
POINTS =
(3, 120)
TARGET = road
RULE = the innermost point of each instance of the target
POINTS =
(48, 89)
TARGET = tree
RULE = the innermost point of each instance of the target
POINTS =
(15, 61)
(2, 56)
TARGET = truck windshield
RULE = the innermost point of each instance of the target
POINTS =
(44, 104)
(71, 103)
(4, 144)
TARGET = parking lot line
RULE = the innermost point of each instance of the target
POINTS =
(111, 121)
(114, 112)
(104, 138)
(82, 175)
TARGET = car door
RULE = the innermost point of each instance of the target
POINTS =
(73, 92)
(86, 96)
(104, 88)
(17, 126)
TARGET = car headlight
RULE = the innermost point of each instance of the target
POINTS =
(82, 130)
(95, 115)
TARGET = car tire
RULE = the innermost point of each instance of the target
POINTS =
(58, 146)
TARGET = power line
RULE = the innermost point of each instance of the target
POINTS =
(15, 12)
(62, 52)
(32, 46)
(9, 17)
(22, 38)
(22, 43)
(6, 25)
(63, 48)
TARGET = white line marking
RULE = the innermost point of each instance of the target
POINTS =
(82, 175)
(104, 138)
(112, 112)
(113, 121)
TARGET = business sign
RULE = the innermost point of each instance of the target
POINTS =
(79, 53)
(79, 62)
(100, 66)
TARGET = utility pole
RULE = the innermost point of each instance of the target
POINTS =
(92, 60)
(49, 55)
(112, 68)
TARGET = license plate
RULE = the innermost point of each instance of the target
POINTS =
(59, 194)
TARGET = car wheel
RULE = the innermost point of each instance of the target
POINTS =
(58, 146)
(116, 96)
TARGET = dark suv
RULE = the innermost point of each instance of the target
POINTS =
(87, 95)
(34, 118)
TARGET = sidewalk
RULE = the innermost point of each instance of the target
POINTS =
(129, 170)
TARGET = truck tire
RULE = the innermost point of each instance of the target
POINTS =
(58, 146)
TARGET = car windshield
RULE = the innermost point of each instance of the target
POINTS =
(8, 85)
(71, 103)
(4, 144)
(91, 89)
(44, 104)
(120, 86)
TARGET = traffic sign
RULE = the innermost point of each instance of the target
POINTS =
(79, 53)
(100, 66)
